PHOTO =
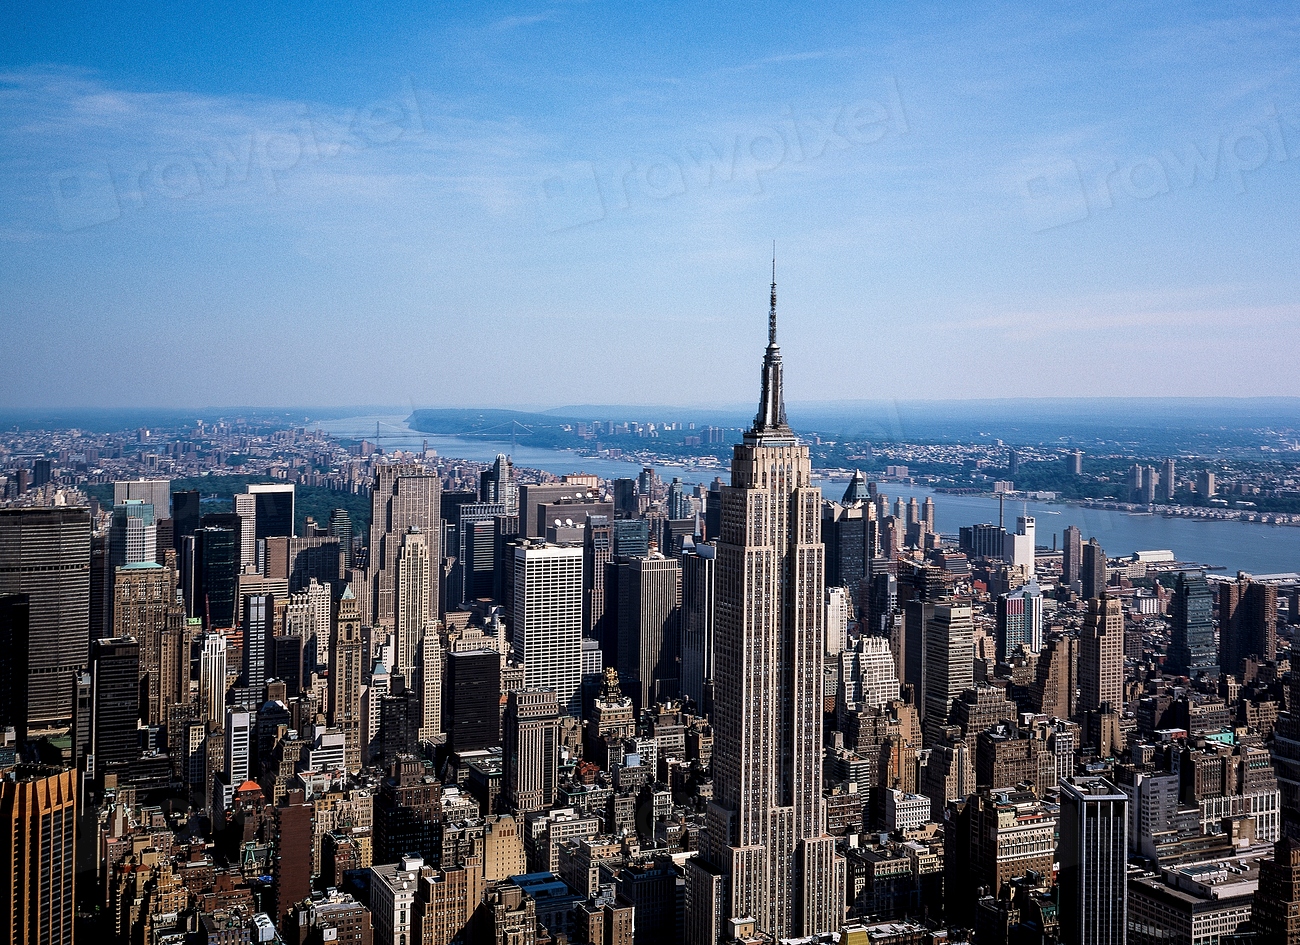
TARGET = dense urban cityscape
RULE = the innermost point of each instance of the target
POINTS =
(466, 703)
(422, 522)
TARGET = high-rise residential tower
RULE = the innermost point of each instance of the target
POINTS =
(1247, 623)
(767, 856)
(1020, 621)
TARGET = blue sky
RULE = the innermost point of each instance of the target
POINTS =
(540, 204)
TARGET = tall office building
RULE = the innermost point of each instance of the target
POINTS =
(497, 484)
(405, 496)
(631, 538)
(531, 728)
(471, 701)
(186, 512)
(626, 502)
(1101, 656)
(699, 591)
(309, 616)
(274, 509)
(145, 607)
(1020, 621)
(649, 613)
(880, 613)
(839, 608)
(238, 744)
(258, 622)
(949, 664)
(868, 676)
(1093, 857)
(132, 534)
(346, 668)
(415, 567)
(155, 492)
(548, 620)
(474, 551)
(216, 569)
(1092, 570)
(1247, 623)
(432, 659)
(38, 826)
(1191, 646)
(597, 549)
(45, 556)
(286, 663)
(15, 618)
(679, 503)
(1018, 547)
(212, 678)
(115, 703)
(848, 531)
(246, 509)
(340, 527)
(767, 855)
(1071, 556)
(1168, 482)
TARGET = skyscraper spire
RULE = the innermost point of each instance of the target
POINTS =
(770, 420)
(765, 854)
(771, 315)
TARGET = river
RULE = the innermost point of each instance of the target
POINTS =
(1245, 546)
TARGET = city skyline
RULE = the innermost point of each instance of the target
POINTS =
(983, 630)
(970, 185)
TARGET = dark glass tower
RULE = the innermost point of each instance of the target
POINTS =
(216, 565)
(115, 702)
(45, 555)
(471, 699)
(1191, 650)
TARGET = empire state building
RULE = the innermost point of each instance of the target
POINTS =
(767, 868)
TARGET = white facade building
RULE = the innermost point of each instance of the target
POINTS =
(548, 620)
